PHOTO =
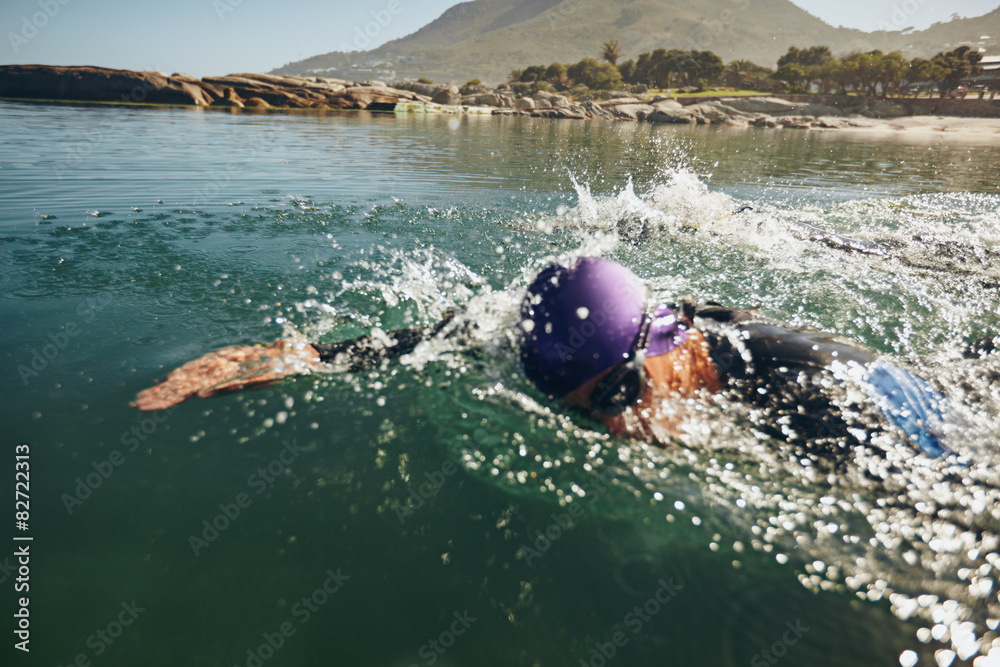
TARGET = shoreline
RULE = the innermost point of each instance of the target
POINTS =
(984, 128)
(263, 93)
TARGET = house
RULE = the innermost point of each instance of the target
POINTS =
(990, 78)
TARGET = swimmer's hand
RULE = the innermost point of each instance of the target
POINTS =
(230, 369)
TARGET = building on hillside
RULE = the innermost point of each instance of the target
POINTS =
(990, 78)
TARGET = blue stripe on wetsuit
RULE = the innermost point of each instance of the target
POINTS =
(909, 402)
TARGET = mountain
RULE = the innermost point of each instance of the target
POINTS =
(486, 39)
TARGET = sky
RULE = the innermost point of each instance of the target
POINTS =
(215, 37)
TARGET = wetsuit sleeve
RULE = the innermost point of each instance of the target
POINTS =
(743, 344)
(789, 369)
(367, 352)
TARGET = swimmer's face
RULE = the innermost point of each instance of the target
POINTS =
(592, 396)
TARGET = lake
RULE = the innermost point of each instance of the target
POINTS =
(435, 509)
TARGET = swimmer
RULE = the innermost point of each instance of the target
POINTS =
(591, 338)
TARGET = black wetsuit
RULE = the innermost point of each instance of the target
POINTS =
(782, 370)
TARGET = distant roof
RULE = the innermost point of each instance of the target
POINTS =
(990, 62)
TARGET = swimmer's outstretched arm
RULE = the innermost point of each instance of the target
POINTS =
(230, 369)
(240, 366)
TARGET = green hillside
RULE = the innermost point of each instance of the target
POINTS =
(486, 39)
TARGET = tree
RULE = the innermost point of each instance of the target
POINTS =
(627, 70)
(533, 73)
(645, 66)
(792, 75)
(675, 65)
(708, 66)
(584, 71)
(556, 74)
(607, 78)
(814, 55)
(664, 69)
(844, 74)
(825, 75)
(814, 61)
(611, 52)
(861, 71)
(920, 70)
(891, 68)
(956, 65)
(747, 75)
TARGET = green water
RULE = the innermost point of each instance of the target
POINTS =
(134, 240)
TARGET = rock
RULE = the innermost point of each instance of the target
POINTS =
(364, 97)
(631, 111)
(474, 90)
(818, 110)
(425, 89)
(449, 96)
(795, 122)
(886, 109)
(708, 113)
(768, 105)
(764, 121)
(639, 89)
(286, 81)
(594, 110)
(488, 100)
(667, 115)
(101, 84)
(239, 81)
(197, 94)
(524, 103)
(666, 104)
(829, 123)
(229, 99)
(256, 102)
(98, 84)
(620, 100)
(779, 107)
(327, 81)
(572, 111)
(558, 101)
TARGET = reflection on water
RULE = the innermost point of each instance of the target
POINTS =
(442, 484)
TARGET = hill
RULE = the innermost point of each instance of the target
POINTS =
(486, 39)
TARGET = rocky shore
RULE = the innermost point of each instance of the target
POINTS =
(263, 91)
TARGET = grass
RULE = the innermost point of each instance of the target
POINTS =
(722, 92)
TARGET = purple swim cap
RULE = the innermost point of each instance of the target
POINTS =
(581, 320)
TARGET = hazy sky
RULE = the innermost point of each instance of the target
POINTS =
(205, 37)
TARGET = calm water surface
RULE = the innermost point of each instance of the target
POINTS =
(434, 511)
